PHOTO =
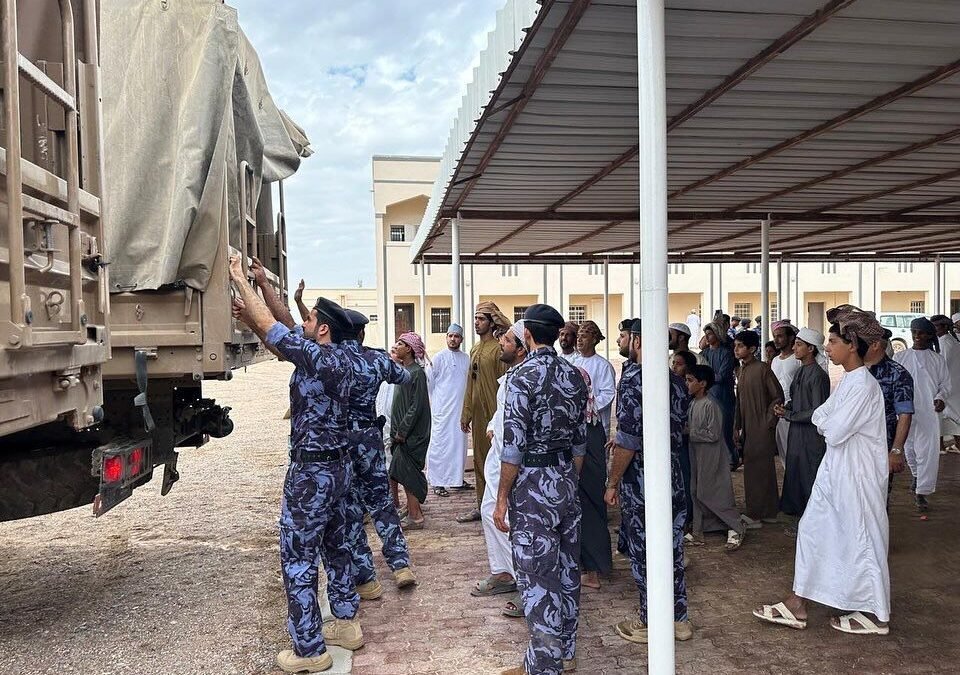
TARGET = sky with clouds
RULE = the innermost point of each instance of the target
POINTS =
(363, 77)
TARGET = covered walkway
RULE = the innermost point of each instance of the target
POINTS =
(695, 130)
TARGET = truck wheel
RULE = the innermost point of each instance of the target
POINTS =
(898, 345)
(35, 483)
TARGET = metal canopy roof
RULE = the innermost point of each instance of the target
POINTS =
(840, 119)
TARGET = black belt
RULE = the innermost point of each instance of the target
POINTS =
(307, 456)
(359, 425)
(551, 458)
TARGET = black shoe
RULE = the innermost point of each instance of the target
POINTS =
(464, 486)
(921, 502)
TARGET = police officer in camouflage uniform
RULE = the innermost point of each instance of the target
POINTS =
(625, 483)
(544, 441)
(371, 488)
(313, 509)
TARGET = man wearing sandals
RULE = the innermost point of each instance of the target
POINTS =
(499, 552)
(843, 537)
(544, 441)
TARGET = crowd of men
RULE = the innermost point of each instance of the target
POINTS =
(548, 463)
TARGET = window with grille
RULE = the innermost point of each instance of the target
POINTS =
(439, 319)
(595, 269)
(774, 311)
(416, 270)
(518, 313)
(397, 233)
(578, 313)
(743, 309)
(509, 270)
(905, 268)
(677, 268)
(373, 318)
(752, 268)
(917, 306)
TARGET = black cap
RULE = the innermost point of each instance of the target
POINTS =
(357, 319)
(636, 327)
(627, 325)
(333, 314)
(544, 315)
(887, 334)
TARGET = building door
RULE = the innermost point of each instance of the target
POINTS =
(402, 318)
(815, 315)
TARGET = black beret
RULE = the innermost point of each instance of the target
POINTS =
(637, 327)
(333, 314)
(544, 315)
(357, 319)
(627, 325)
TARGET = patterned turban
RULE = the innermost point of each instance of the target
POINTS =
(414, 342)
(783, 323)
(856, 323)
(589, 328)
(491, 310)
(717, 329)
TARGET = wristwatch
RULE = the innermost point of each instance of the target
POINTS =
(896, 451)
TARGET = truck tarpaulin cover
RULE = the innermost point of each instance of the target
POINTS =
(184, 101)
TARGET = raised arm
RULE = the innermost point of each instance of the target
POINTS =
(298, 298)
(276, 306)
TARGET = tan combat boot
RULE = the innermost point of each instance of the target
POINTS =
(344, 633)
(289, 662)
(682, 630)
(404, 577)
(370, 590)
(570, 665)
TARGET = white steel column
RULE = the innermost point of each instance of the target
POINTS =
(606, 306)
(860, 285)
(657, 481)
(424, 332)
(544, 301)
(779, 289)
(630, 312)
(456, 316)
(937, 285)
(563, 299)
(764, 284)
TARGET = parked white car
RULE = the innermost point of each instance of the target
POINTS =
(898, 323)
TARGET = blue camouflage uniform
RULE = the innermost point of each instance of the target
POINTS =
(544, 427)
(632, 526)
(371, 488)
(313, 509)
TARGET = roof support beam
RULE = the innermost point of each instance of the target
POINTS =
(860, 218)
(712, 216)
(574, 242)
(909, 241)
(877, 103)
(773, 50)
(839, 173)
(560, 36)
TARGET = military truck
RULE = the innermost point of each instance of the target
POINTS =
(140, 148)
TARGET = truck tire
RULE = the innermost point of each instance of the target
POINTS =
(35, 483)
(898, 345)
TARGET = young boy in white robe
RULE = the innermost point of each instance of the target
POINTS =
(931, 388)
(843, 536)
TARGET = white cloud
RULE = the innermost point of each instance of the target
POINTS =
(363, 78)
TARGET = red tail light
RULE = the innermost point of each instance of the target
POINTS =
(112, 469)
(135, 461)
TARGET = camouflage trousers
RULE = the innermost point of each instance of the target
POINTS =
(370, 493)
(634, 537)
(544, 514)
(313, 528)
